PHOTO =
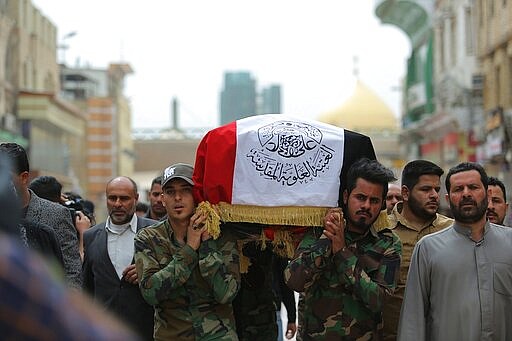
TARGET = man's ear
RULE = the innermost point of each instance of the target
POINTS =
(405, 193)
(447, 197)
(345, 197)
(23, 178)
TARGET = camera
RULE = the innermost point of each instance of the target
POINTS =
(75, 205)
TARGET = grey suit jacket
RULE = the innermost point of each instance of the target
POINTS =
(100, 279)
(58, 217)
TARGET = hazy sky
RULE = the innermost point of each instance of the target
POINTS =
(182, 48)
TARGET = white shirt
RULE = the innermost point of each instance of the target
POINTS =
(120, 243)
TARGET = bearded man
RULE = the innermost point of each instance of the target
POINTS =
(459, 283)
(346, 269)
(412, 218)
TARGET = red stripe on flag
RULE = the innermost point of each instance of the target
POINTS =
(215, 163)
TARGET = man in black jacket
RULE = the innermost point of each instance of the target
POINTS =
(109, 271)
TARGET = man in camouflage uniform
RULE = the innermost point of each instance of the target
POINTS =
(347, 269)
(411, 219)
(187, 276)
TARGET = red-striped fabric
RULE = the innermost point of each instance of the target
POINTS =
(214, 166)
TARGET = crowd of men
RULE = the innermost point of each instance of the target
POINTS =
(414, 275)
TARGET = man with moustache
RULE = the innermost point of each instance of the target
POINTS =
(459, 285)
(411, 219)
(108, 271)
(346, 269)
(190, 278)
(498, 206)
(394, 195)
(156, 209)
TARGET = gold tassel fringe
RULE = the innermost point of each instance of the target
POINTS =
(212, 218)
(283, 244)
(281, 215)
(245, 261)
(263, 240)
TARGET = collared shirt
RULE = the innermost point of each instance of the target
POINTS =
(120, 243)
(191, 290)
(344, 292)
(459, 289)
(409, 234)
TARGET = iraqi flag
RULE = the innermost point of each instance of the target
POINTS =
(271, 169)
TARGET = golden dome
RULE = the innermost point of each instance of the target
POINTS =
(363, 111)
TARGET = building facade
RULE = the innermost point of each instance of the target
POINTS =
(238, 97)
(31, 112)
(109, 149)
(494, 49)
(271, 100)
(442, 90)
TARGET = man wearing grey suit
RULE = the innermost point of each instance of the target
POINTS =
(108, 271)
(40, 210)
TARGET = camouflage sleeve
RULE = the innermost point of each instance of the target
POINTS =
(310, 258)
(158, 282)
(219, 266)
(371, 288)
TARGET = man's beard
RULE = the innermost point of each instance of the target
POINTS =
(362, 224)
(417, 209)
(472, 216)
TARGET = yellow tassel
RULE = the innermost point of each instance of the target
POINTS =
(245, 261)
(281, 215)
(263, 240)
(283, 243)
(212, 218)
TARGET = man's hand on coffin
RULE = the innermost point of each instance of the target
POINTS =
(334, 229)
(195, 230)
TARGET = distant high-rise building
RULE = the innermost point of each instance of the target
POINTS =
(238, 97)
(271, 100)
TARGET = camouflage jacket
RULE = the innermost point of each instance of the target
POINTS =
(344, 292)
(191, 291)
